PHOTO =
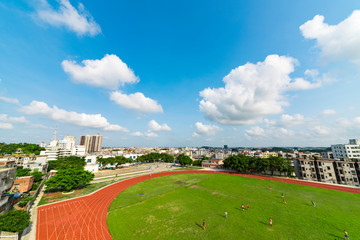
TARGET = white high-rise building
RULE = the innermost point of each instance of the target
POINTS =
(351, 150)
(62, 148)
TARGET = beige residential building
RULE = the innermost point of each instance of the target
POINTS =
(326, 171)
(268, 154)
(346, 173)
(92, 143)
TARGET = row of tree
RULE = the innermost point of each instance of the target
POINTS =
(153, 157)
(247, 164)
(117, 161)
(26, 148)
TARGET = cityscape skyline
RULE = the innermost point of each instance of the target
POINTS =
(251, 74)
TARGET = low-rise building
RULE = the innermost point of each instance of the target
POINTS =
(268, 154)
(346, 173)
(23, 184)
(326, 171)
(305, 169)
(213, 163)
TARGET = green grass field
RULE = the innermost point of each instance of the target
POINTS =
(173, 207)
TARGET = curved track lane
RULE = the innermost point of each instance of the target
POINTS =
(85, 217)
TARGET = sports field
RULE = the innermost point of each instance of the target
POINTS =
(173, 207)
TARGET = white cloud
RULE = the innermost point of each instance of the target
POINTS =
(252, 91)
(9, 100)
(6, 118)
(109, 72)
(195, 135)
(154, 126)
(6, 125)
(207, 130)
(336, 42)
(357, 120)
(285, 132)
(137, 134)
(78, 119)
(320, 130)
(150, 134)
(302, 84)
(255, 132)
(328, 112)
(288, 120)
(136, 101)
(76, 20)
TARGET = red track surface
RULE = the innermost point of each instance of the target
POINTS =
(85, 217)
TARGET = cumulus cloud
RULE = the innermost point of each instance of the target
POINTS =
(288, 120)
(137, 102)
(109, 72)
(154, 126)
(254, 132)
(328, 112)
(320, 130)
(76, 20)
(6, 125)
(9, 100)
(6, 118)
(252, 91)
(137, 134)
(78, 119)
(151, 134)
(207, 130)
(336, 42)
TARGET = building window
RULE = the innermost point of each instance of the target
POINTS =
(328, 168)
(330, 175)
(89, 160)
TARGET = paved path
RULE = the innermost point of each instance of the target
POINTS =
(85, 217)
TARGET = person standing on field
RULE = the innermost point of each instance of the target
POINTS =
(270, 221)
(204, 224)
(225, 214)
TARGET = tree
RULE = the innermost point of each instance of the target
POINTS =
(69, 179)
(14, 221)
(26, 148)
(184, 160)
(167, 158)
(21, 172)
(67, 162)
(37, 175)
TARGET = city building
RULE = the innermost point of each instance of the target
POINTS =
(91, 164)
(347, 151)
(7, 176)
(92, 143)
(328, 171)
(268, 154)
(346, 173)
(23, 184)
(213, 163)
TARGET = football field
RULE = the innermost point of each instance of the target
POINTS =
(174, 207)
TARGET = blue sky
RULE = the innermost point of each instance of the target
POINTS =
(160, 73)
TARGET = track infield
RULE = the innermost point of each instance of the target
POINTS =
(86, 217)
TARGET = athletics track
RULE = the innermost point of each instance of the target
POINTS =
(85, 217)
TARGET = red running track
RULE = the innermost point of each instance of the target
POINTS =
(85, 217)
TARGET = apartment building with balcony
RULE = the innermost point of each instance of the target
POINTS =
(305, 169)
(346, 172)
(325, 171)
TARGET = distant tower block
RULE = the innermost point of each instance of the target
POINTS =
(92, 143)
(225, 146)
